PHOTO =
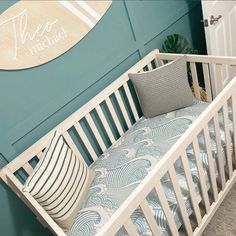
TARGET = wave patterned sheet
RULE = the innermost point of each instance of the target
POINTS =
(126, 163)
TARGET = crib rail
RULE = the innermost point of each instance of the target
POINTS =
(122, 217)
(99, 123)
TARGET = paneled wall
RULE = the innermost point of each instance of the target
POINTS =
(33, 101)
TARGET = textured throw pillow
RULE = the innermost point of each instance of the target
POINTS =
(163, 89)
(59, 182)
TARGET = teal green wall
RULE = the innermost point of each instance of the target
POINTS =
(33, 101)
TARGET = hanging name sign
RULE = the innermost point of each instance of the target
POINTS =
(35, 32)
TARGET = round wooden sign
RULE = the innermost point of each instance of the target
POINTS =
(35, 32)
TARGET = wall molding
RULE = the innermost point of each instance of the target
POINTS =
(3, 161)
(72, 100)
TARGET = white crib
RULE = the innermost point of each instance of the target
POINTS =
(225, 100)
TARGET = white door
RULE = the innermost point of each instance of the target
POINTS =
(220, 30)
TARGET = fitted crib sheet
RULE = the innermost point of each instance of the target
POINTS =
(125, 164)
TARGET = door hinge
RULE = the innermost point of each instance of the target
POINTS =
(205, 22)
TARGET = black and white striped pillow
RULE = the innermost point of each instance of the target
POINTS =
(59, 182)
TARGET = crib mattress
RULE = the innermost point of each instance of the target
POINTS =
(125, 164)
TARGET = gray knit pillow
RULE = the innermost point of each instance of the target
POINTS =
(163, 89)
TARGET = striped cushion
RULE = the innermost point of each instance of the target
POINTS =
(59, 182)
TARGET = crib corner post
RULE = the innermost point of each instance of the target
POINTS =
(156, 51)
(159, 62)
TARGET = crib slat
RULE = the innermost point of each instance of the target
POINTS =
(95, 132)
(219, 79)
(234, 120)
(85, 140)
(156, 62)
(130, 228)
(149, 65)
(114, 115)
(122, 107)
(195, 80)
(219, 150)
(39, 155)
(191, 188)
(150, 218)
(28, 168)
(210, 163)
(73, 147)
(180, 200)
(228, 140)
(159, 62)
(207, 81)
(105, 123)
(165, 206)
(201, 174)
(131, 101)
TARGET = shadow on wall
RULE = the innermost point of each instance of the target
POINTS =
(198, 34)
(23, 221)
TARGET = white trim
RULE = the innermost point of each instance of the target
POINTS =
(76, 12)
(89, 9)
